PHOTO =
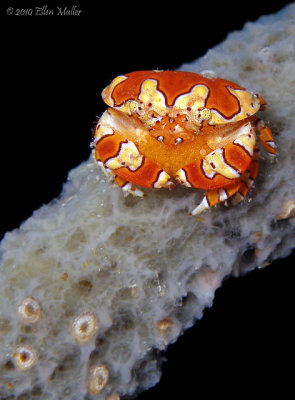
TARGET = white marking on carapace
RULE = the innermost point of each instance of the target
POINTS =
(217, 118)
(128, 156)
(192, 101)
(150, 94)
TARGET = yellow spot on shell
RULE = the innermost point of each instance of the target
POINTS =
(99, 378)
(84, 327)
(24, 357)
(30, 310)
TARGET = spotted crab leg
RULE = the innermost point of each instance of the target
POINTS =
(222, 167)
(127, 187)
(239, 188)
(222, 171)
(121, 156)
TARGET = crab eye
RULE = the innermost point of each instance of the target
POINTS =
(133, 106)
(205, 113)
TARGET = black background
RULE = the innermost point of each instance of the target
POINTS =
(54, 68)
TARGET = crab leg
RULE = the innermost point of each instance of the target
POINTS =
(247, 179)
(122, 157)
(128, 187)
(222, 167)
(265, 135)
(267, 140)
(215, 196)
(239, 189)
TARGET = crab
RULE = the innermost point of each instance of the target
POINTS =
(164, 128)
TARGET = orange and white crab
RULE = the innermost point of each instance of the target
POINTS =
(167, 127)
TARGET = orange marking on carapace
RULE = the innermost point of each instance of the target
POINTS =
(175, 83)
